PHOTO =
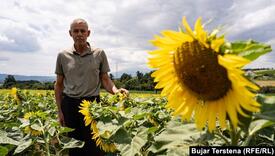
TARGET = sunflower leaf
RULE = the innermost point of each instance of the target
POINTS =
(250, 49)
(71, 143)
(138, 141)
(255, 127)
(4, 139)
(267, 108)
(175, 139)
(23, 145)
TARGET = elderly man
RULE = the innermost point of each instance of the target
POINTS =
(80, 71)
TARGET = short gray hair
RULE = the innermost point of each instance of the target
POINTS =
(78, 21)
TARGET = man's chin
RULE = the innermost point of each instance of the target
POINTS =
(80, 42)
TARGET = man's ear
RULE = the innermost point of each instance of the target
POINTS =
(70, 32)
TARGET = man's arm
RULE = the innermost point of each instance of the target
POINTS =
(109, 85)
(58, 89)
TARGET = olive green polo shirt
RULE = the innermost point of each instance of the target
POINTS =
(81, 72)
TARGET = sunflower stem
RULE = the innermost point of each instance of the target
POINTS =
(234, 136)
(223, 137)
(45, 138)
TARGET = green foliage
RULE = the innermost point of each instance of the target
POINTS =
(30, 127)
(140, 82)
(9, 82)
(137, 126)
(250, 49)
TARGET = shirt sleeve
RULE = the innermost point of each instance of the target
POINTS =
(58, 67)
(104, 65)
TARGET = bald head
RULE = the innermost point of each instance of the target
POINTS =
(78, 21)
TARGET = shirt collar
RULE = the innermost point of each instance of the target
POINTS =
(87, 52)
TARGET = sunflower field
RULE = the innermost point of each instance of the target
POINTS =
(205, 100)
(121, 126)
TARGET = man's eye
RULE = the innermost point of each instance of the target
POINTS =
(79, 30)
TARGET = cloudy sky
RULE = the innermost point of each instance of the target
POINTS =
(33, 32)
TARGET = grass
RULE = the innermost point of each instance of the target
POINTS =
(262, 72)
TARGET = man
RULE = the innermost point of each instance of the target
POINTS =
(80, 72)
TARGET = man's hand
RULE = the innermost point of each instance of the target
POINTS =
(61, 118)
(123, 91)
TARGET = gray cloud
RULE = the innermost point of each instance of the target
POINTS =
(137, 23)
(17, 39)
(124, 28)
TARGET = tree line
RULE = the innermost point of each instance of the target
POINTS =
(141, 81)
(10, 82)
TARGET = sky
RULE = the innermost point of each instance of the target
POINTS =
(33, 32)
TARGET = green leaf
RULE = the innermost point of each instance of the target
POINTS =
(121, 136)
(4, 139)
(22, 146)
(52, 130)
(36, 127)
(258, 125)
(139, 116)
(250, 49)
(107, 126)
(267, 107)
(3, 150)
(72, 143)
(136, 145)
(65, 130)
(175, 139)
(152, 129)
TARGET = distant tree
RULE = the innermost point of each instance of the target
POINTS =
(139, 75)
(125, 77)
(37, 86)
(132, 84)
(9, 82)
(48, 85)
(111, 76)
(118, 84)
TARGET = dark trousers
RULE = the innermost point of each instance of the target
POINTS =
(74, 119)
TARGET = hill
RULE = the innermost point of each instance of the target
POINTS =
(25, 78)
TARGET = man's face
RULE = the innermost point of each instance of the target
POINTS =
(79, 32)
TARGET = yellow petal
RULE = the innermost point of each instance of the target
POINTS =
(187, 27)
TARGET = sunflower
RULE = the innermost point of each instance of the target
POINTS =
(198, 79)
(106, 146)
(84, 110)
(14, 93)
(28, 129)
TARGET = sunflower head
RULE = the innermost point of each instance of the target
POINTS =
(99, 139)
(196, 66)
(198, 79)
(102, 140)
(33, 132)
(84, 110)
(30, 116)
(14, 93)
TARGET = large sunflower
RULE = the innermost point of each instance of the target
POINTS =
(197, 78)
(105, 146)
